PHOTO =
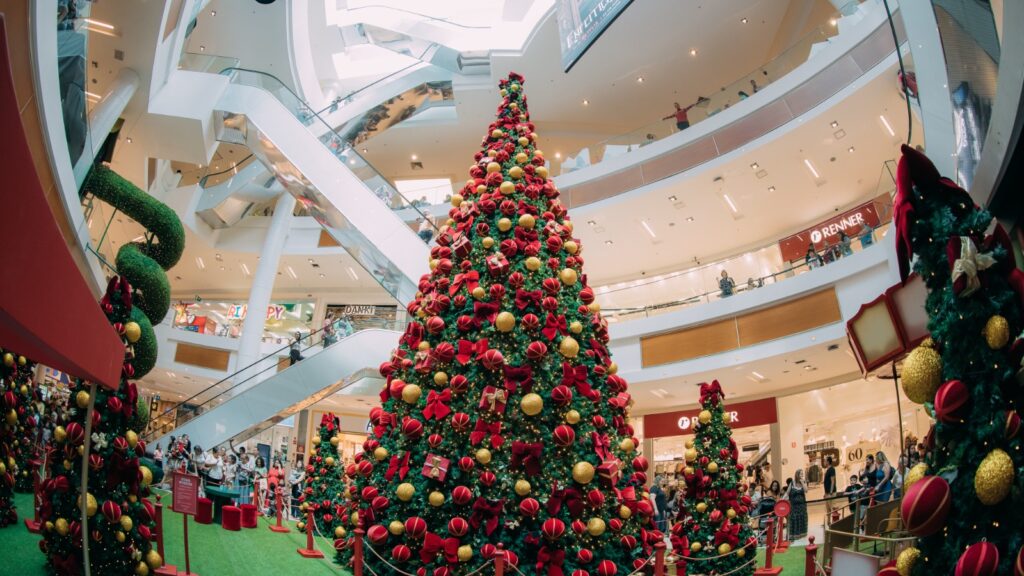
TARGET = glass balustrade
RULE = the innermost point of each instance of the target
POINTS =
(73, 27)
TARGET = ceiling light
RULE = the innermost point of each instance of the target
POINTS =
(586, 102)
(648, 228)
(352, 273)
(730, 203)
(807, 162)
(689, 218)
(672, 198)
(558, 155)
(98, 23)
(352, 161)
(757, 375)
(771, 188)
(199, 263)
(888, 127)
(640, 79)
(414, 157)
(755, 166)
(592, 223)
(833, 21)
(213, 12)
(218, 257)
(365, 150)
(223, 268)
(245, 269)
(608, 242)
(291, 272)
(835, 124)
(128, 139)
(743, 20)
(322, 275)
(92, 95)
(202, 48)
(851, 149)
(693, 51)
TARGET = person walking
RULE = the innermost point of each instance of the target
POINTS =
(295, 351)
(660, 503)
(425, 230)
(296, 478)
(829, 483)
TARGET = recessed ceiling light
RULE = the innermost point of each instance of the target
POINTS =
(586, 102)
(730, 203)
(757, 375)
(608, 242)
(223, 268)
(833, 21)
(352, 273)
(851, 149)
(352, 161)
(640, 79)
(807, 162)
(98, 23)
(743, 20)
(672, 198)
(648, 228)
(218, 257)
(245, 269)
(755, 166)
(771, 188)
(414, 157)
(92, 95)
(689, 218)
(202, 48)
(199, 263)
(835, 124)
(291, 272)
(128, 139)
(558, 155)
(310, 260)
(365, 150)
(888, 127)
(592, 223)
(693, 51)
(322, 275)
(213, 12)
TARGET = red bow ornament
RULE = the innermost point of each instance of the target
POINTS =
(486, 513)
(551, 559)
(576, 377)
(437, 404)
(413, 335)
(526, 298)
(483, 429)
(527, 456)
(468, 350)
(399, 465)
(518, 376)
(710, 392)
(434, 544)
(555, 325)
(469, 279)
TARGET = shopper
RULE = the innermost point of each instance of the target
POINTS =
(274, 479)
(753, 85)
(897, 477)
(867, 236)
(774, 490)
(329, 336)
(829, 482)
(854, 491)
(231, 473)
(680, 115)
(726, 284)
(845, 244)
(426, 230)
(812, 259)
(869, 475)
(243, 477)
(214, 466)
(295, 351)
(796, 493)
(884, 473)
(260, 481)
(660, 504)
(296, 478)
(766, 475)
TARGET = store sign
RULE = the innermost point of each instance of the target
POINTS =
(859, 452)
(359, 310)
(238, 311)
(275, 312)
(738, 415)
(581, 22)
(853, 223)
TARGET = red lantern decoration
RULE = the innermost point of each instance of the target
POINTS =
(951, 402)
(607, 568)
(926, 505)
(458, 527)
(415, 527)
(981, 559)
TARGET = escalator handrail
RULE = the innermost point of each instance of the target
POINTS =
(229, 71)
(202, 181)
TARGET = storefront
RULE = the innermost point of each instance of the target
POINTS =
(224, 318)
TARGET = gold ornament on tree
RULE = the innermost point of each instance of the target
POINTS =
(922, 373)
(531, 404)
(906, 560)
(405, 491)
(583, 472)
(918, 471)
(994, 477)
(997, 332)
(568, 347)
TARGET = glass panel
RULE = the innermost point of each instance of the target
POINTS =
(76, 99)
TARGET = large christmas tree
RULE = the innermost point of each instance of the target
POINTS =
(713, 535)
(965, 502)
(503, 419)
(15, 408)
(324, 492)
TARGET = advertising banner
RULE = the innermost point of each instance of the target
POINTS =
(854, 223)
(740, 415)
(581, 22)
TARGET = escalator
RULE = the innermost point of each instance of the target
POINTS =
(352, 201)
(266, 392)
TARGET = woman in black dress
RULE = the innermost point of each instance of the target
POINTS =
(797, 495)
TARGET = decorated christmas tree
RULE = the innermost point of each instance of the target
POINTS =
(965, 501)
(502, 418)
(713, 535)
(324, 491)
(15, 401)
(26, 441)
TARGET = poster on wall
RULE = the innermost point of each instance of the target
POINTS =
(355, 317)
(581, 22)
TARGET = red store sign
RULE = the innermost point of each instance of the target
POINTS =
(853, 222)
(741, 415)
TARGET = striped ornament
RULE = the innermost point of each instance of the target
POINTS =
(889, 570)
(1018, 565)
(951, 402)
(925, 506)
(1012, 426)
(979, 559)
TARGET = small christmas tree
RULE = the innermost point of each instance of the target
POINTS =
(26, 440)
(503, 419)
(713, 524)
(965, 502)
(324, 492)
(16, 403)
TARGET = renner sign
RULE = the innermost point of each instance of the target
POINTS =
(854, 223)
(740, 415)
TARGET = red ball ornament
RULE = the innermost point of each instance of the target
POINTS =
(578, 526)
(926, 505)
(487, 478)
(377, 534)
(587, 295)
(435, 440)
(530, 322)
(497, 291)
(580, 572)
(458, 383)
(458, 527)
(415, 527)
(607, 568)
(598, 421)
(401, 553)
(1018, 563)
(584, 556)
(412, 428)
(564, 435)
(395, 388)
(617, 384)
(645, 508)
(628, 542)
(615, 524)
(561, 395)
(492, 359)
(379, 503)
(889, 570)
(551, 285)
(1012, 427)
(951, 402)
(536, 350)
(981, 559)
(461, 421)
(435, 324)
(553, 528)
(365, 468)
(466, 463)
(461, 495)
(640, 463)
(715, 517)
(529, 507)
(488, 551)
(596, 498)
(369, 493)
(111, 511)
(516, 280)
(76, 434)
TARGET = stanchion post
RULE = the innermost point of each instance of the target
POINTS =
(310, 550)
(499, 560)
(812, 555)
(159, 527)
(278, 527)
(357, 551)
(659, 558)
(37, 498)
(769, 549)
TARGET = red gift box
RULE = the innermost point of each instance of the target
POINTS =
(497, 264)
(609, 473)
(493, 399)
(436, 467)
(446, 236)
(461, 245)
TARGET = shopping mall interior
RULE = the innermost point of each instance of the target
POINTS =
(554, 287)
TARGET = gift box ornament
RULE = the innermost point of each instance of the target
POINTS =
(493, 399)
(609, 472)
(497, 265)
(436, 467)
(461, 245)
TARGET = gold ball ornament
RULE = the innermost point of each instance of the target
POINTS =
(531, 404)
(503, 92)
(82, 399)
(507, 187)
(329, 461)
(457, 200)
(423, 346)
(596, 526)
(918, 471)
(316, 440)
(8, 359)
(690, 443)
(906, 560)
(594, 306)
(59, 434)
(695, 547)
(522, 487)
(575, 327)
(527, 221)
(504, 224)
(141, 569)
(48, 526)
(704, 417)
(625, 512)
(701, 507)
(542, 171)
(994, 477)
(730, 513)
(479, 190)
(441, 378)
(132, 438)
(12, 417)
(488, 242)
(568, 347)
(483, 456)
(132, 332)
(690, 455)
(522, 157)
(922, 373)
(339, 532)
(740, 553)
(126, 523)
(571, 246)
(3, 468)
(380, 453)
(396, 527)
(997, 332)
(533, 263)
(353, 519)
(523, 140)
(61, 526)
(119, 536)
(713, 467)
(627, 445)
(335, 440)
(153, 559)
(505, 322)
(411, 393)
(90, 504)
(493, 167)
(572, 417)
(568, 276)
(436, 498)
(147, 476)
(724, 548)
(479, 292)
(405, 491)
(300, 526)
(496, 133)
(465, 552)
(515, 172)
(583, 472)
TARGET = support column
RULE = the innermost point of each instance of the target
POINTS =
(263, 282)
(106, 112)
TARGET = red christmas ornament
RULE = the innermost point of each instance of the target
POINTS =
(377, 534)
(365, 467)
(461, 421)
(596, 498)
(529, 507)
(76, 434)
(981, 559)
(564, 435)
(926, 505)
(561, 395)
(435, 440)
(553, 528)
(607, 568)
(369, 493)
(395, 388)
(889, 570)
(951, 402)
(640, 463)
(458, 527)
(584, 556)
(578, 526)
(598, 421)
(536, 350)
(530, 322)
(415, 527)
(458, 384)
(492, 359)
(401, 553)
(461, 495)
(435, 324)
(615, 524)
(487, 478)
(412, 428)
(628, 542)
(1018, 564)
(488, 551)
(644, 508)
(1012, 427)
(379, 503)
(111, 511)
(551, 285)
(580, 572)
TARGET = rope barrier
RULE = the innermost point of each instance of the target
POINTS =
(743, 566)
(367, 545)
(747, 545)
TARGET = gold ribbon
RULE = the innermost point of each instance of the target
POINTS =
(969, 264)
(499, 396)
(435, 470)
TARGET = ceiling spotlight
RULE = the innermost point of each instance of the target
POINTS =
(586, 102)
(833, 21)
(245, 269)
(128, 139)
(322, 275)
(640, 79)
(730, 203)
(689, 218)
(608, 242)
(771, 188)
(558, 155)
(850, 149)
(672, 198)
(202, 48)
(592, 223)
(213, 12)
(365, 150)
(291, 272)
(693, 51)
(835, 124)
(218, 257)
(755, 166)
(414, 157)
(743, 20)
(352, 273)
